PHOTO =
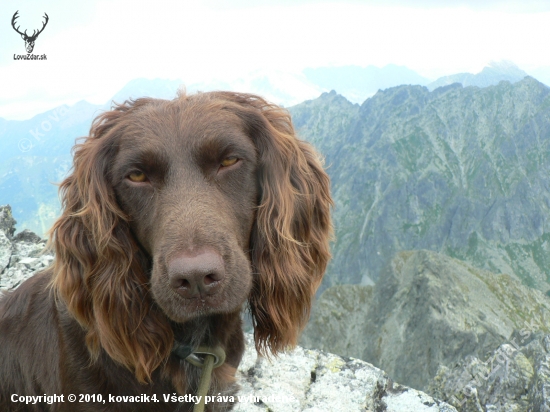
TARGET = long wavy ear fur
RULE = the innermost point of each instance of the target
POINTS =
(290, 241)
(99, 270)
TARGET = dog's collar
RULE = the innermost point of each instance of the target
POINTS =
(197, 356)
(182, 350)
(204, 357)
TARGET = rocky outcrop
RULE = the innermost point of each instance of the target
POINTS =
(316, 381)
(20, 255)
(299, 380)
(427, 310)
(514, 377)
(7, 222)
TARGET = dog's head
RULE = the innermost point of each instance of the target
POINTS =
(177, 210)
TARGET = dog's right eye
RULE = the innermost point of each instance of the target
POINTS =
(229, 161)
(137, 177)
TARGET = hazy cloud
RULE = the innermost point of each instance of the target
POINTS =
(95, 47)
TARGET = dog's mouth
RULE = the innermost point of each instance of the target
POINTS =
(201, 305)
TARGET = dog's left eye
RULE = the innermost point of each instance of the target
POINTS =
(137, 177)
(229, 161)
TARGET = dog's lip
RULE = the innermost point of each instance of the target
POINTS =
(208, 301)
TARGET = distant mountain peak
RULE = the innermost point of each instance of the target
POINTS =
(357, 83)
(505, 68)
(492, 74)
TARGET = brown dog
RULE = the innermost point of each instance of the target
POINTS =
(176, 213)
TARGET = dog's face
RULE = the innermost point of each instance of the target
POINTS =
(186, 179)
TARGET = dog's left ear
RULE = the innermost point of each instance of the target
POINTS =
(290, 240)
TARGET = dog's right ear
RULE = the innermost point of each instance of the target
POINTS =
(89, 214)
(99, 270)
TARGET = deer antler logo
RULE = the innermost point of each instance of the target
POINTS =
(29, 40)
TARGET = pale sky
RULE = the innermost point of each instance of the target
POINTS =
(94, 47)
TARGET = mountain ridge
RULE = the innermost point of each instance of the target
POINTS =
(453, 170)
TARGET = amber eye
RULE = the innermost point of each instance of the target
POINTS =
(137, 177)
(229, 161)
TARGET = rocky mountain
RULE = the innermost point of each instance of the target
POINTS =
(425, 320)
(464, 171)
(491, 75)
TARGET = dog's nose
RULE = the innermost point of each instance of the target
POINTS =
(196, 275)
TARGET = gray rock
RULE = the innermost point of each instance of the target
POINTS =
(427, 310)
(314, 381)
(7, 222)
(7, 228)
(514, 377)
(27, 236)
(21, 256)
(22, 267)
(5, 251)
